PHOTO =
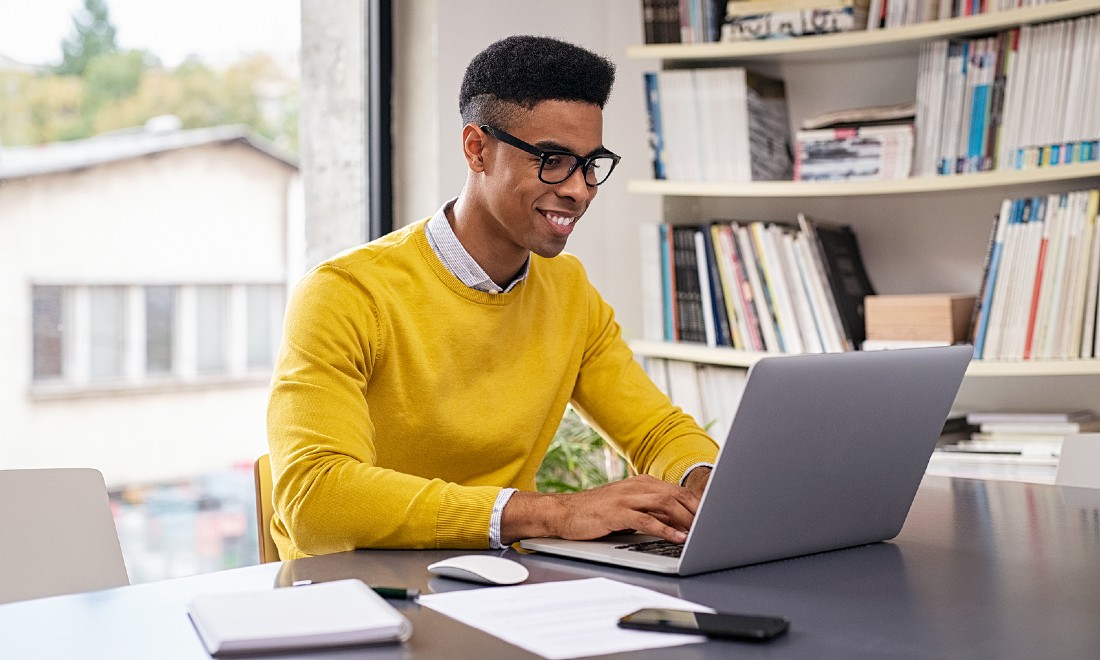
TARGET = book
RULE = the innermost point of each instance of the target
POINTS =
(838, 250)
(896, 113)
(1032, 417)
(690, 315)
(339, 613)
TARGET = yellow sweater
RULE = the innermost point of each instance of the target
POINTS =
(403, 401)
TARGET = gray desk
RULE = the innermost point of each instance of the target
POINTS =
(981, 570)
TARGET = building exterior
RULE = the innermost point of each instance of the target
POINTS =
(143, 277)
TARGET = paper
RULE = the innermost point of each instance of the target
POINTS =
(565, 619)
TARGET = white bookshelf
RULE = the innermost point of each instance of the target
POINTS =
(918, 235)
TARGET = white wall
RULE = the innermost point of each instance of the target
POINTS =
(434, 42)
(213, 214)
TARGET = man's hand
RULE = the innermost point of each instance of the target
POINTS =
(641, 503)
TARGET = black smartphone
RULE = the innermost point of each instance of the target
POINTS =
(747, 627)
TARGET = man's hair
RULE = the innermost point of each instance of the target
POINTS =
(522, 71)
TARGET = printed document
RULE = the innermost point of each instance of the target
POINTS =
(566, 619)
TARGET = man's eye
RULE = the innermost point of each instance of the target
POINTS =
(553, 162)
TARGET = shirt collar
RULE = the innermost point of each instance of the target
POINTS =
(445, 244)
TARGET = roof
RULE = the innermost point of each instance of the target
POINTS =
(112, 147)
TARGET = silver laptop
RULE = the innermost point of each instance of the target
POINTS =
(825, 452)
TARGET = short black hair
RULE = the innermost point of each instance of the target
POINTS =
(522, 71)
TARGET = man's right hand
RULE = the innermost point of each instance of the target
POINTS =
(643, 503)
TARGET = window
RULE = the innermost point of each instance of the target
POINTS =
(106, 325)
(264, 312)
(211, 328)
(134, 336)
(160, 329)
(48, 317)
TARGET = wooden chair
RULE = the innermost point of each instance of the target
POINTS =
(261, 470)
(59, 534)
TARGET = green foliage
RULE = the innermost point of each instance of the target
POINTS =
(93, 36)
(578, 459)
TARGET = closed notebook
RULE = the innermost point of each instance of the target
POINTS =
(340, 613)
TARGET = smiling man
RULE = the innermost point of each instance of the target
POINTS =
(423, 375)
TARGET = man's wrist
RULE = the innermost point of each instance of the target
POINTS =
(530, 515)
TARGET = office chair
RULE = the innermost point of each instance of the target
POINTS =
(1079, 461)
(261, 470)
(59, 535)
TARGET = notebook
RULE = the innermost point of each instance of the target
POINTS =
(824, 452)
(339, 613)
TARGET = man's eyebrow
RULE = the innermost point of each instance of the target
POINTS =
(550, 145)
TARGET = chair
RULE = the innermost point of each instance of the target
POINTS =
(1079, 461)
(261, 470)
(59, 534)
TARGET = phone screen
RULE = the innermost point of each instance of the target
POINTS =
(734, 626)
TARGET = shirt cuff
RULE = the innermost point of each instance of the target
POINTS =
(494, 522)
(683, 479)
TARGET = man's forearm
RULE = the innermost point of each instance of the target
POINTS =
(529, 515)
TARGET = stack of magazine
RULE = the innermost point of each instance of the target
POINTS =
(857, 144)
(722, 124)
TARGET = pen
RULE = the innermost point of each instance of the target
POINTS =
(385, 592)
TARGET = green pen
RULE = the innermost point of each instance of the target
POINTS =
(385, 592)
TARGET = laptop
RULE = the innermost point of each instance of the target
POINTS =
(824, 452)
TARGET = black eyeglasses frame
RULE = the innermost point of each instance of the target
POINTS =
(587, 161)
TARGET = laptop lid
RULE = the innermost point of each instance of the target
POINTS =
(825, 452)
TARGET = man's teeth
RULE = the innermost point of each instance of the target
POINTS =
(562, 220)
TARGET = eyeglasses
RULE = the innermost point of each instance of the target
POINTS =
(557, 166)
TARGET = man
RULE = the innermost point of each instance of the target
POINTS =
(423, 375)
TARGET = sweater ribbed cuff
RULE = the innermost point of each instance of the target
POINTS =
(465, 513)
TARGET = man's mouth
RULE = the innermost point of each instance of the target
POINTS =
(559, 220)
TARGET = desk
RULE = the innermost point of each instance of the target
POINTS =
(982, 569)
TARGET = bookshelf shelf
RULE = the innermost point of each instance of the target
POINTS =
(786, 189)
(863, 44)
(728, 357)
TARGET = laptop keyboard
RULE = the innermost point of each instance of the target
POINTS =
(663, 548)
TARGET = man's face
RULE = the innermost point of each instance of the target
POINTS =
(527, 213)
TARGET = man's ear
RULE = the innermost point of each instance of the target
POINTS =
(473, 147)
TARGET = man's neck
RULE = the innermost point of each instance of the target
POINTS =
(473, 232)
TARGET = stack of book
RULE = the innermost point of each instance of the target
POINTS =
(682, 21)
(756, 286)
(990, 102)
(722, 124)
(896, 13)
(1042, 275)
(1025, 434)
(781, 19)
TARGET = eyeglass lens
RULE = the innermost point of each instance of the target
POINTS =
(558, 167)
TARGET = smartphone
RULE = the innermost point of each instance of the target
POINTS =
(732, 626)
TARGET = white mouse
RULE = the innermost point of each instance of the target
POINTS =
(484, 569)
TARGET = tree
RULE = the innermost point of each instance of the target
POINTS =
(93, 35)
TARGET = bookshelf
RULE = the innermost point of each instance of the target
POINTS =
(918, 235)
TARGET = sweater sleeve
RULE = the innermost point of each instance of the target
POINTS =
(623, 404)
(329, 494)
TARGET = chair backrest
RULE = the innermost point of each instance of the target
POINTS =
(59, 536)
(1079, 461)
(261, 470)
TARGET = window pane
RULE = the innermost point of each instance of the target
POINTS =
(211, 317)
(106, 323)
(263, 312)
(47, 318)
(160, 325)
